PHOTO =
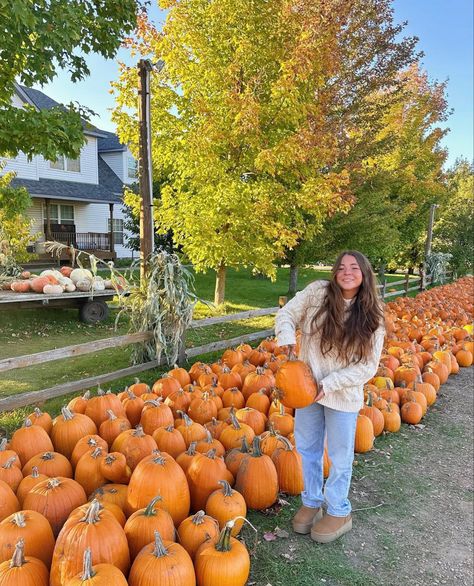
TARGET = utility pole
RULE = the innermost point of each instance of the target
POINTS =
(429, 239)
(145, 167)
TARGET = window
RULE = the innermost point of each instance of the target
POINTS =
(60, 214)
(65, 164)
(131, 168)
(118, 230)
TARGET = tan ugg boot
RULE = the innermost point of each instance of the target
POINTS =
(304, 519)
(330, 528)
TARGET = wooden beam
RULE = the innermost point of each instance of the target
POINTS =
(76, 350)
(23, 399)
(223, 344)
(111, 232)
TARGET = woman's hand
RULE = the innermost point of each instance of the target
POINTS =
(320, 394)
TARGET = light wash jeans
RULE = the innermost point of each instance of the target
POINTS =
(311, 425)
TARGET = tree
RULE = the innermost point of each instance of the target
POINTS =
(454, 229)
(132, 223)
(395, 188)
(36, 38)
(259, 113)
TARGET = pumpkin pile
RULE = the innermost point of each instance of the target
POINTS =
(54, 282)
(156, 481)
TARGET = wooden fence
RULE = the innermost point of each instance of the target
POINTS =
(30, 398)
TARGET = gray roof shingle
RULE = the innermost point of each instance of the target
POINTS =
(109, 189)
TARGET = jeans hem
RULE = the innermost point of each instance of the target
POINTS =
(338, 514)
(311, 505)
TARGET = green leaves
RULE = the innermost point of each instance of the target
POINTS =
(37, 37)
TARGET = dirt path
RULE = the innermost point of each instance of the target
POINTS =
(423, 534)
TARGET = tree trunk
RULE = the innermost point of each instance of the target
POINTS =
(219, 293)
(382, 280)
(293, 283)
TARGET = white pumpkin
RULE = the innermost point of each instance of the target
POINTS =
(98, 284)
(108, 284)
(52, 289)
(80, 275)
(70, 287)
(84, 285)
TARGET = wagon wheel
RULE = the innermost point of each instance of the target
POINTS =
(93, 311)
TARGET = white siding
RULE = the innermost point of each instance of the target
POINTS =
(21, 166)
(35, 213)
(95, 218)
(17, 101)
(116, 162)
(89, 168)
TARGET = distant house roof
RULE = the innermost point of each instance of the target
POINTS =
(109, 142)
(44, 102)
(109, 189)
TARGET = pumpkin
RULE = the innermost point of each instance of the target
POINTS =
(203, 476)
(259, 401)
(225, 562)
(88, 443)
(24, 571)
(133, 406)
(8, 501)
(289, 468)
(98, 575)
(229, 379)
(374, 414)
(135, 445)
(411, 412)
(231, 357)
(232, 397)
(114, 468)
(195, 530)
(53, 290)
(20, 286)
(166, 385)
(191, 430)
(95, 528)
(89, 472)
(6, 453)
(98, 406)
(225, 504)
(159, 474)
(252, 417)
(28, 483)
(50, 464)
(111, 493)
(42, 419)
(112, 427)
(77, 275)
(141, 526)
(392, 419)
(55, 498)
(181, 375)
(231, 436)
(30, 440)
(38, 283)
(11, 474)
(169, 440)
(202, 409)
(257, 479)
(139, 388)
(165, 563)
(364, 435)
(178, 401)
(68, 429)
(34, 528)
(270, 440)
(283, 422)
(79, 404)
(295, 384)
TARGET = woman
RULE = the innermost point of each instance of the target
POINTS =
(342, 333)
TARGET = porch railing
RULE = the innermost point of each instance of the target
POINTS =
(84, 240)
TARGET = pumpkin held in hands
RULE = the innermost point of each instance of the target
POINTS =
(295, 384)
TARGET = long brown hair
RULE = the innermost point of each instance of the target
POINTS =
(349, 334)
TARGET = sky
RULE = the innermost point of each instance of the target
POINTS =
(445, 32)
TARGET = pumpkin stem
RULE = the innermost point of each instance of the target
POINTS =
(54, 483)
(150, 508)
(92, 513)
(245, 448)
(111, 415)
(19, 519)
(191, 451)
(37, 412)
(87, 571)
(256, 449)
(159, 458)
(223, 543)
(67, 414)
(198, 518)
(100, 391)
(28, 423)
(35, 472)
(47, 456)
(138, 431)
(9, 463)
(96, 453)
(234, 420)
(226, 487)
(18, 558)
(160, 550)
(286, 442)
(211, 454)
(87, 395)
(3, 444)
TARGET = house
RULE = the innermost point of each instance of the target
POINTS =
(76, 201)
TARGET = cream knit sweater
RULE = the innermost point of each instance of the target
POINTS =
(342, 385)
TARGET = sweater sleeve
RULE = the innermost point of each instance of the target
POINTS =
(291, 315)
(356, 374)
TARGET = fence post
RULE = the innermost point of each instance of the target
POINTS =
(282, 300)
(182, 358)
(407, 280)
